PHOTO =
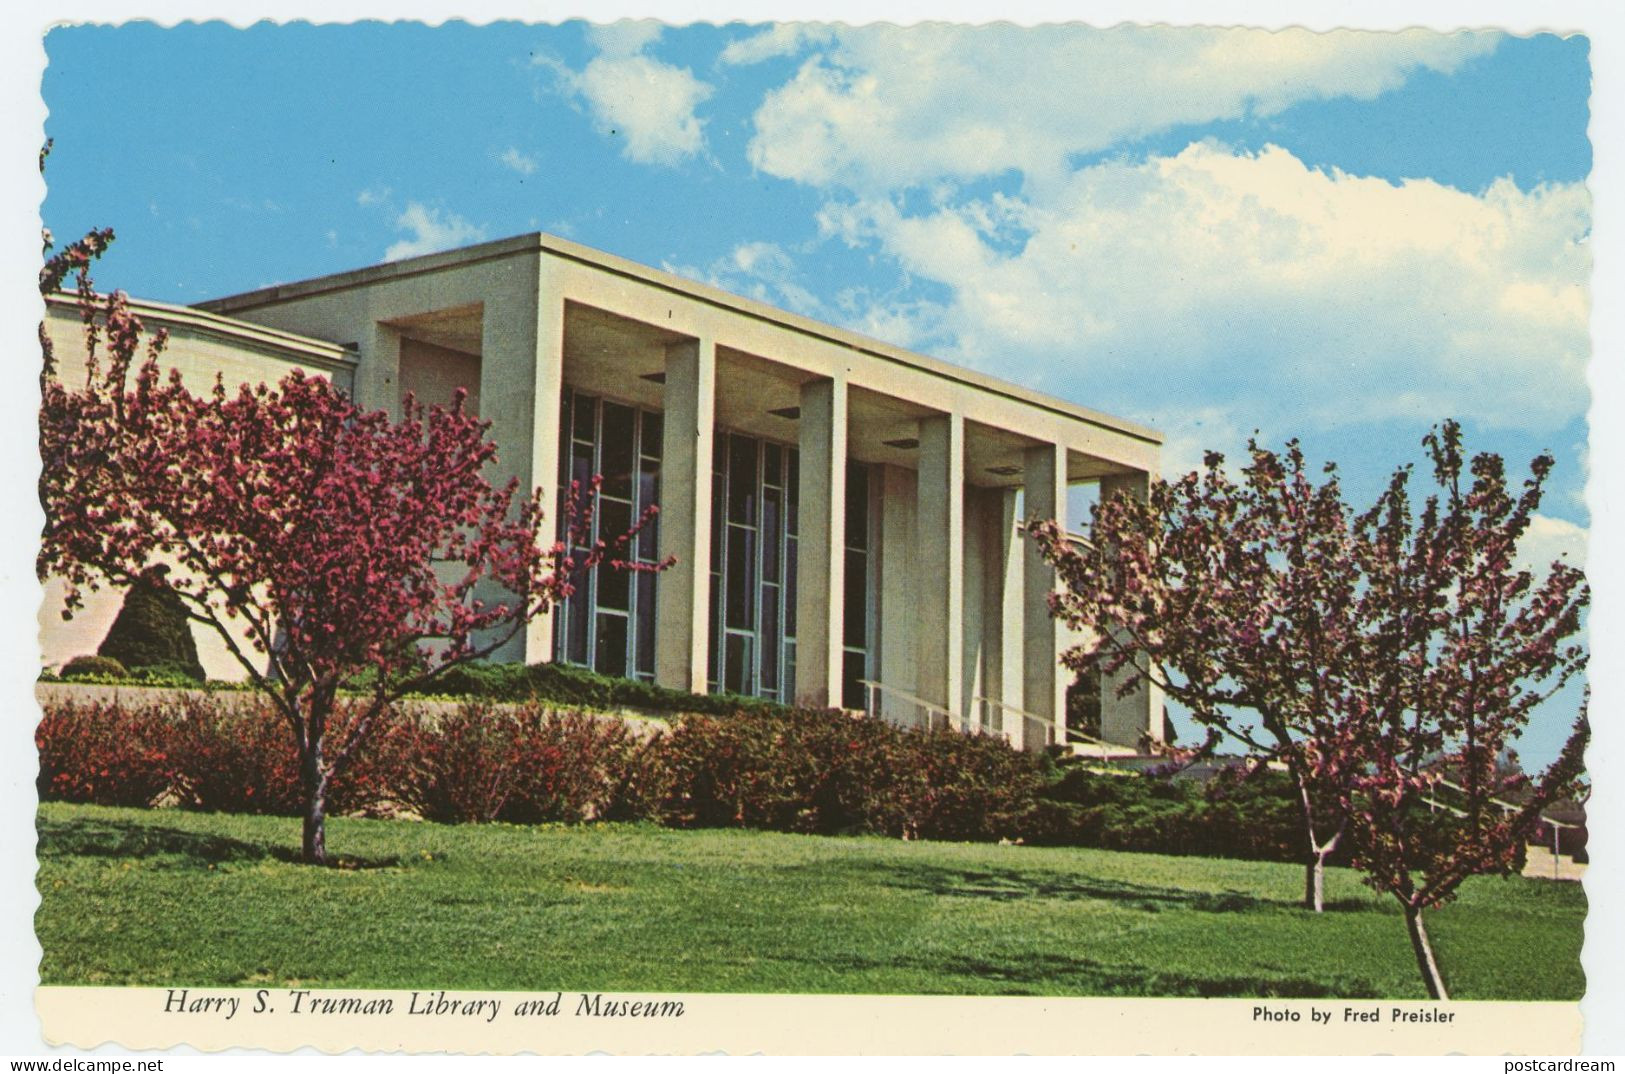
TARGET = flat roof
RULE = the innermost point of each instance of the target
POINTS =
(537, 241)
(208, 322)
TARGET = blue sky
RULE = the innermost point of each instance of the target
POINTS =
(1341, 237)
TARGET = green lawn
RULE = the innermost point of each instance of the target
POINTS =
(166, 897)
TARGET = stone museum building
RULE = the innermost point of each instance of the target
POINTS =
(846, 516)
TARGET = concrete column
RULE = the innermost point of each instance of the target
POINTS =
(1001, 603)
(1125, 720)
(821, 543)
(378, 374)
(1043, 679)
(683, 592)
(899, 589)
(940, 540)
(521, 381)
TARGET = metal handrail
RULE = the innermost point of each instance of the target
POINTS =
(872, 687)
(1509, 807)
(1074, 538)
(1026, 717)
(1557, 851)
(1049, 726)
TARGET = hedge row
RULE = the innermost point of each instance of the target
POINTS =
(562, 685)
(234, 754)
(568, 685)
(792, 770)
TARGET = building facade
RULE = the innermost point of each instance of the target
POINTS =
(845, 516)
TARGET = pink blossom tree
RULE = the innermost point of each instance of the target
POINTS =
(335, 541)
(1464, 646)
(1238, 598)
(1388, 659)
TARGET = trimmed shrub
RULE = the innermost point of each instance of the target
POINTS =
(524, 765)
(565, 685)
(575, 767)
(460, 767)
(978, 787)
(152, 631)
(794, 770)
(102, 753)
(233, 757)
(827, 772)
(198, 751)
(1255, 817)
(88, 667)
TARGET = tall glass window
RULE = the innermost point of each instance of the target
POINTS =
(856, 627)
(753, 593)
(608, 624)
(755, 525)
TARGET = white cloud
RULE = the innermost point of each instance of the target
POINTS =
(783, 39)
(376, 195)
(646, 102)
(430, 230)
(625, 37)
(889, 106)
(1549, 539)
(1257, 285)
(523, 163)
(764, 271)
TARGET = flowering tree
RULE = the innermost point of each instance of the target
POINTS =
(335, 541)
(1238, 598)
(1388, 660)
(1464, 646)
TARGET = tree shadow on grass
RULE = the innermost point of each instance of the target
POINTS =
(1008, 885)
(1030, 973)
(99, 838)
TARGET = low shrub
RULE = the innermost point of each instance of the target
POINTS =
(102, 753)
(460, 767)
(793, 770)
(828, 772)
(525, 764)
(574, 767)
(1252, 815)
(232, 757)
(224, 754)
(976, 787)
(84, 667)
(565, 685)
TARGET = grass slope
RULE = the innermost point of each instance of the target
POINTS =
(174, 898)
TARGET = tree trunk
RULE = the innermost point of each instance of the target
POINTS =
(1314, 883)
(1424, 953)
(314, 776)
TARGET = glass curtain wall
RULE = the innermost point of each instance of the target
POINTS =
(755, 499)
(608, 624)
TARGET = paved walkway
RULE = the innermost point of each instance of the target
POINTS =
(1542, 865)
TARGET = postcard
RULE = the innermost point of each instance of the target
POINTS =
(810, 536)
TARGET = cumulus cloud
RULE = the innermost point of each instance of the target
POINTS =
(428, 230)
(885, 106)
(1284, 291)
(783, 39)
(647, 103)
(1550, 539)
(523, 163)
(764, 271)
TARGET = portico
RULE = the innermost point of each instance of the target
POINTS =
(845, 516)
